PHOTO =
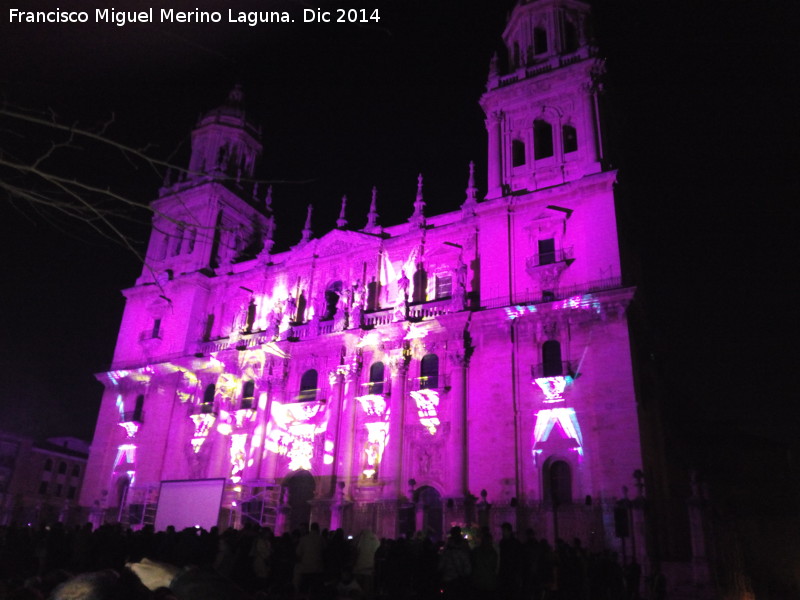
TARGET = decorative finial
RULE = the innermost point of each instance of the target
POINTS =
(341, 222)
(236, 95)
(471, 200)
(268, 199)
(307, 228)
(372, 217)
(268, 235)
(418, 218)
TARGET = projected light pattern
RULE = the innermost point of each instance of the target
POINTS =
(202, 427)
(553, 387)
(374, 407)
(126, 460)
(377, 436)
(292, 430)
(565, 417)
(427, 409)
(514, 312)
(238, 453)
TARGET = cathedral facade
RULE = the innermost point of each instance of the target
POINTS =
(472, 367)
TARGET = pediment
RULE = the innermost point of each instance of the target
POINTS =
(336, 243)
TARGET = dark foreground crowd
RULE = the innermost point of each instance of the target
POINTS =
(253, 564)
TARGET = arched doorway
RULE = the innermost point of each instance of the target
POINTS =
(429, 511)
(300, 487)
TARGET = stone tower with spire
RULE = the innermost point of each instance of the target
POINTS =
(209, 215)
(541, 99)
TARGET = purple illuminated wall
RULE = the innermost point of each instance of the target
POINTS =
(500, 328)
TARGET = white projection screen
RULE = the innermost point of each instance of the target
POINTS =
(189, 502)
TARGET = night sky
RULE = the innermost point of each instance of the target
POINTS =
(703, 126)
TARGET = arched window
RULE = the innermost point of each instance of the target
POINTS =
(517, 153)
(62, 468)
(308, 386)
(539, 40)
(376, 378)
(542, 139)
(570, 138)
(551, 359)
(429, 372)
(570, 37)
(559, 483)
(517, 59)
(76, 471)
(48, 465)
(248, 392)
(208, 327)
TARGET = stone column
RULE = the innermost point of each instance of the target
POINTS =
(495, 155)
(392, 467)
(458, 452)
(348, 421)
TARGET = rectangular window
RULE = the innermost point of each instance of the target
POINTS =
(71, 492)
(43, 487)
(59, 489)
(156, 328)
(547, 251)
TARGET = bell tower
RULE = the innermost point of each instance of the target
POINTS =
(210, 214)
(541, 99)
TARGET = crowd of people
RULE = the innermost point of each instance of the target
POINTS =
(254, 564)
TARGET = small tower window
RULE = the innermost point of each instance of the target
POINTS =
(539, 40)
(376, 378)
(429, 372)
(517, 59)
(551, 359)
(156, 331)
(570, 137)
(517, 153)
(570, 37)
(308, 386)
(542, 139)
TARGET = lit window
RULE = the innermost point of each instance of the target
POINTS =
(376, 378)
(308, 386)
(429, 372)
(248, 392)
